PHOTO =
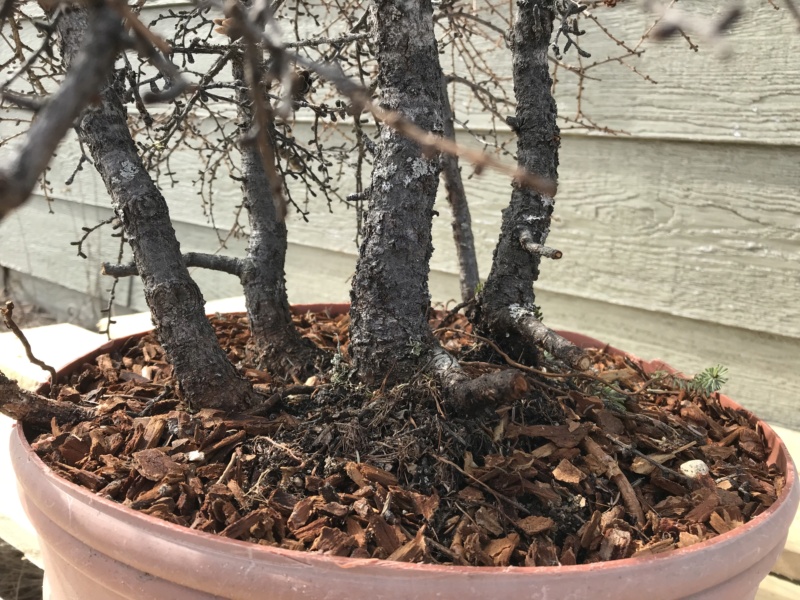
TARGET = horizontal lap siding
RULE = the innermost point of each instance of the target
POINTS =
(681, 240)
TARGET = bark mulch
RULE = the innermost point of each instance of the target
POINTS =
(585, 468)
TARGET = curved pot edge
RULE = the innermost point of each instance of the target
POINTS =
(786, 504)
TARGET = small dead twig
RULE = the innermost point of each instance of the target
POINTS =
(8, 319)
(655, 463)
(498, 496)
(618, 477)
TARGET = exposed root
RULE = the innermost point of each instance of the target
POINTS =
(468, 394)
(517, 329)
(36, 410)
(539, 334)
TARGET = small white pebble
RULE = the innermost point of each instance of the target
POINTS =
(195, 456)
(694, 468)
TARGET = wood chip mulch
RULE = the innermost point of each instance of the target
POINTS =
(586, 468)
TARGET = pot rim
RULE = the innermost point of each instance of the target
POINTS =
(779, 456)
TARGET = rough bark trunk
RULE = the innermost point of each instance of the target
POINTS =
(457, 198)
(505, 308)
(206, 376)
(390, 336)
(279, 346)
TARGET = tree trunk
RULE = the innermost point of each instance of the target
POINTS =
(506, 309)
(206, 376)
(279, 346)
(390, 299)
(457, 198)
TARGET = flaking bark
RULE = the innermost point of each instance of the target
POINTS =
(390, 337)
(206, 376)
(280, 347)
(506, 308)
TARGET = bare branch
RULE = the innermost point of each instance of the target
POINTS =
(213, 262)
(91, 68)
(360, 98)
(7, 313)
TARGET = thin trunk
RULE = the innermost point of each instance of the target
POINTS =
(390, 299)
(206, 376)
(506, 309)
(457, 198)
(279, 346)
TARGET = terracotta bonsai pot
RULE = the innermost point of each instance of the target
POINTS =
(96, 549)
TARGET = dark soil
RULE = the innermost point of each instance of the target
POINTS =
(585, 468)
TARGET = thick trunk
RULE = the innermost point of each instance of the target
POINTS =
(506, 309)
(457, 198)
(390, 336)
(279, 346)
(206, 377)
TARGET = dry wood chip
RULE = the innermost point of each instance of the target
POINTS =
(383, 534)
(544, 450)
(333, 541)
(471, 494)
(722, 523)
(412, 551)
(590, 537)
(416, 503)
(615, 544)
(688, 539)
(312, 530)
(155, 493)
(363, 508)
(85, 478)
(356, 531)
(355, 475)
(609, 422)
(667, 485)
(543, 491)
(501, 549)
(715, 452)
(73, 450)
(643, 466)
(283, 501)
(242, 526)
(489, 519)
(702, 511)
(542, 553)
(561, 435)
(568, 557)
(333, 509)
(655, 546)
(164, 509)
(376, 475)
(302, 512)
(155, 465)
(568, 473)
(533, 525)
(694, 413)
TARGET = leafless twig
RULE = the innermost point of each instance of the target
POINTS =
(8, 319)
